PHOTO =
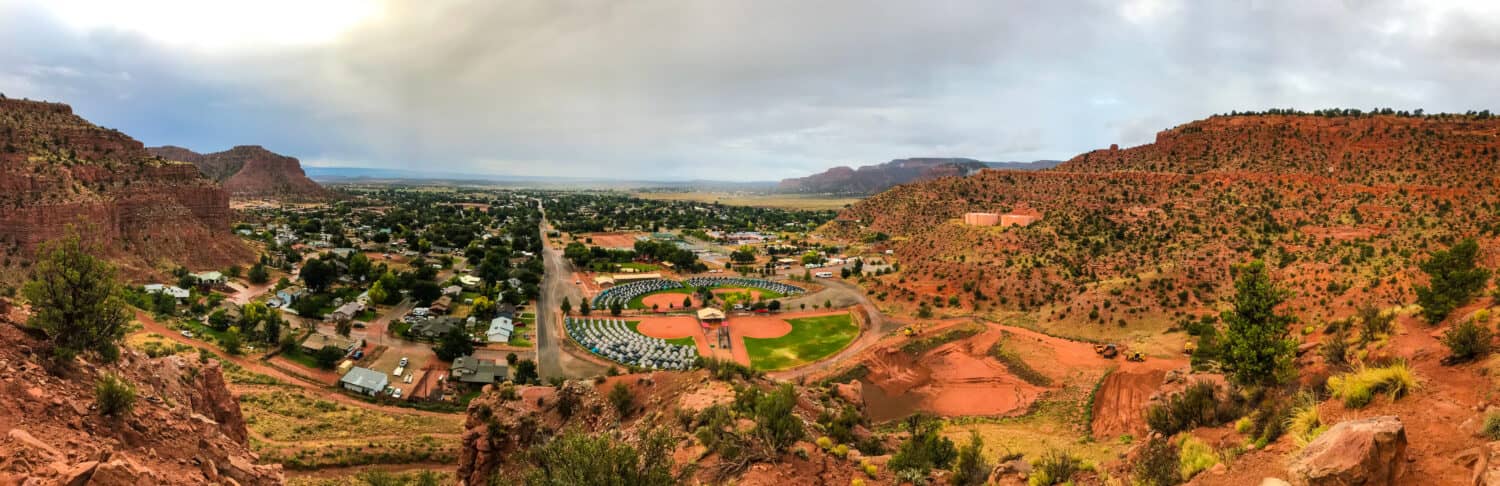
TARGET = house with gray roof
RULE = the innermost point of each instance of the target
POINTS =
(365, 380)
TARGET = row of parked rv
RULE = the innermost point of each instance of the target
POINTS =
(613, 339)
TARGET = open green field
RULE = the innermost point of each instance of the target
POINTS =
(778, 201)
(811, 339)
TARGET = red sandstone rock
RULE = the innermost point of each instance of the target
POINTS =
(58, 170)
(250, 171)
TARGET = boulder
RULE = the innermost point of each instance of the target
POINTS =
(852, 392)
(1367, 452)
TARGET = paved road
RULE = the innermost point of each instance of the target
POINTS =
(552, 359)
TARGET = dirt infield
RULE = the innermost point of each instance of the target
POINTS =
(667, 301)
(740, 327)
(613, 240)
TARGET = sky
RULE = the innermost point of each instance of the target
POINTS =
(723, 89)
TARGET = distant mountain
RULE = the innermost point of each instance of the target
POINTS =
(250, 171)
(871, 179)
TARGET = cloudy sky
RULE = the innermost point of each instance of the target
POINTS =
(723, 89)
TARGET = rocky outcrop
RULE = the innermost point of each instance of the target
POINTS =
(1370, 452)
(871, 179)
(58, 170)
(185, 428)
(250, 171)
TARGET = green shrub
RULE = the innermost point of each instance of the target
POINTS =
(1467, 341)
(1055, 467)
(114, 395)
(1195, 456)
(1454, 279)
(1158, 464)
(620, 398)
(1196, 406)
(971, 470)
(1492, 426)
(1357, 388)
(925, 450)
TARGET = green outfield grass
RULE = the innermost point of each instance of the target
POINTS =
(811, 339)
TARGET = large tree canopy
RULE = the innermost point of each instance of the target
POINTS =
(75, 300)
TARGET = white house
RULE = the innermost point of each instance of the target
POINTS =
(176, 292)
(469, 281)
(365, 380)
(500, 330)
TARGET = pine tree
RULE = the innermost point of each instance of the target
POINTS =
(1256, 348)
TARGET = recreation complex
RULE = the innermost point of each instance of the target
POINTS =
(667, 324)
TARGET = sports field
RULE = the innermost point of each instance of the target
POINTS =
(667, 298)
(811, 339)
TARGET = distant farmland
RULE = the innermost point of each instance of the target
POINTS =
(780, 201)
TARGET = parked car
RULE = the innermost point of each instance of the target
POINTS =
(404, 362)
(397, 394)
(358, 353)
(359, 325)
(187, 334)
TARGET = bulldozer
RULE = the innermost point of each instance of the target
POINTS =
(908, 331)
(1107, 351)
(1135, 356)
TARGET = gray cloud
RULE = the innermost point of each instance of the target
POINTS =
(754, 90)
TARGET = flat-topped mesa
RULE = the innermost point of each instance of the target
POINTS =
(58, 170)
(1389, 149)
(251, 171)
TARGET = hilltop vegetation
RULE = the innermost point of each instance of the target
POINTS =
(1340, 208)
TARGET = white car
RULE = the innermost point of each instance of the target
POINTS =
(187, 334)
(404, 362)
(397, 394)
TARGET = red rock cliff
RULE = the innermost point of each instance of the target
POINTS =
(57, 170)
(250, 171)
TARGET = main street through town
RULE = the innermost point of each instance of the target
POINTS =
(552, 359)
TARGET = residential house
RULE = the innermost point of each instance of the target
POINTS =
(500, 330)
(365, 380)
(435, 327)
(468, 369)
(290, 294)
(347, 311)
(317, 341)
(441, 305)
(453, 290)
(210, 278)
(176, 292)
(470, 281)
